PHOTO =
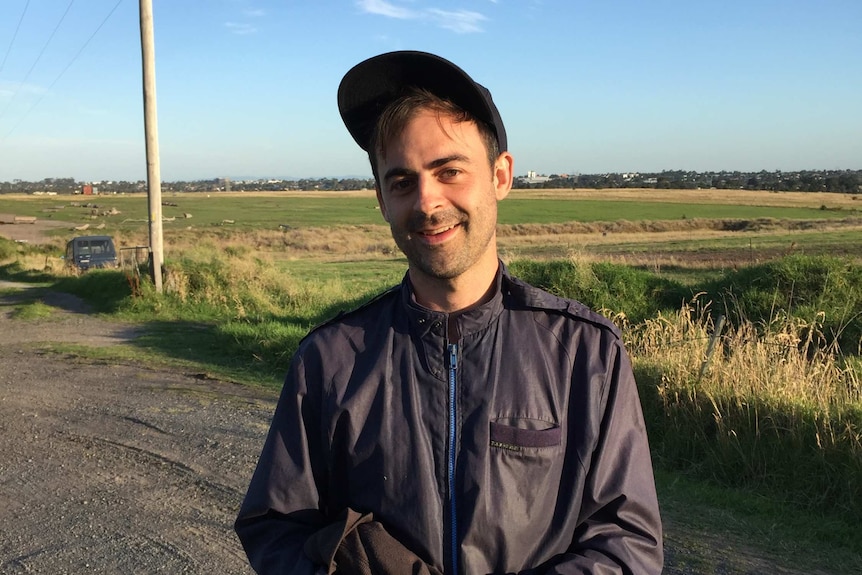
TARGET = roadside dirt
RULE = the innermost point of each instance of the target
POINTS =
(32, 233)
(110, 467)
(116, 468)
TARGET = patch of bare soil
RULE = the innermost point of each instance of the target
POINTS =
(32, 233)
(115, 468)
(110, 467)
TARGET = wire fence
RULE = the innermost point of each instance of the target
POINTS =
(132, 261)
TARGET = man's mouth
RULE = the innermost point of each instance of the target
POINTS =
(437, 231)
(439, 234)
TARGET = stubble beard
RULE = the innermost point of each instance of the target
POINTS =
(446, 261)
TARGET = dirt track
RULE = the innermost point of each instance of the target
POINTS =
(28, 232)
(111, 468)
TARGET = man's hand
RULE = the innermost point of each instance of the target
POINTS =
(371, 550)
(358, 545)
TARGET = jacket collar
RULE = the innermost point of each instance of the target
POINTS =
(424, 321)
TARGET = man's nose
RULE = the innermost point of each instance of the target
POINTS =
(429, 195)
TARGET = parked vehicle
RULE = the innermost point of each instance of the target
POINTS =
(85, 252)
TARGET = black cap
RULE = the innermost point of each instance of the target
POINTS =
(370, 86)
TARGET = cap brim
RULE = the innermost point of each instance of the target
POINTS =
(370, 86)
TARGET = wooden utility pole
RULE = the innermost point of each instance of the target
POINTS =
(151, 132)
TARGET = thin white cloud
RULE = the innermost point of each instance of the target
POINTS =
(254, 13)
(383, 8)
(240, 28)
(458, 21)
(21, 94)
(12, 87)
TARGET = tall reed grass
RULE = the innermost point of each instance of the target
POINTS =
(775, 407)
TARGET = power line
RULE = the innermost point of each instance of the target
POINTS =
(15, 35)
(69, 65)
(39, 57)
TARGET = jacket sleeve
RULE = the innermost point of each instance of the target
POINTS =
(619, 527)
(282, 507)
(283, 524)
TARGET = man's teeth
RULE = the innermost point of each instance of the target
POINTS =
(437, 231)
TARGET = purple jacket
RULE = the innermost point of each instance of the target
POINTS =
(519, 448)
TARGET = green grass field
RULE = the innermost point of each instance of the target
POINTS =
(513, 211)
(268, 211)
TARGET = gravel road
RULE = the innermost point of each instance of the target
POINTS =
(112, 468)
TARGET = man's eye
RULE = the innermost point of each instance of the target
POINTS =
(449, 173)
(401, 185)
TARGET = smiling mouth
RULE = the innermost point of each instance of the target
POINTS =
(437, 231)
(435, 236)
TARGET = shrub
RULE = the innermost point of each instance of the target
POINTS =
(609, 288)
(7, 249)
(823, 289)
(29, 262)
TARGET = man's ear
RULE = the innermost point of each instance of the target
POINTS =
(381, 204)
(504, 173)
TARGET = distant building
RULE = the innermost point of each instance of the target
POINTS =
(532, 178)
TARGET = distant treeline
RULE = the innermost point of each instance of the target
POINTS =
(838, 181)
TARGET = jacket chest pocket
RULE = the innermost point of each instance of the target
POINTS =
(525, 458)
(524, 435)
(518, 486)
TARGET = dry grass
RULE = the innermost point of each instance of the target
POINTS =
(693, 243)
(614, 241)
(727, 197)
(686, 226)
(333, 243)
(245, 284)
(787, 361)
(775, 405)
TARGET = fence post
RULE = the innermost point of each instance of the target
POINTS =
(710, 348)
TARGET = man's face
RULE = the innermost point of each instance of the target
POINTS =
(439, 195)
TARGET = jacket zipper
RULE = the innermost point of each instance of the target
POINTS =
(453, 367)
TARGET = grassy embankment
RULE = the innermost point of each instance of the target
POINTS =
(774, 413)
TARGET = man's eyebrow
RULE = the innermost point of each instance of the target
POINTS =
(443, 161)
(398, 173)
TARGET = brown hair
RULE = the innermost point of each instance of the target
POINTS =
(399, 112)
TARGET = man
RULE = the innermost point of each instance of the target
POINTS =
(463, 422)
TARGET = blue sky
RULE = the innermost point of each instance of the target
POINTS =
(247, 88)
